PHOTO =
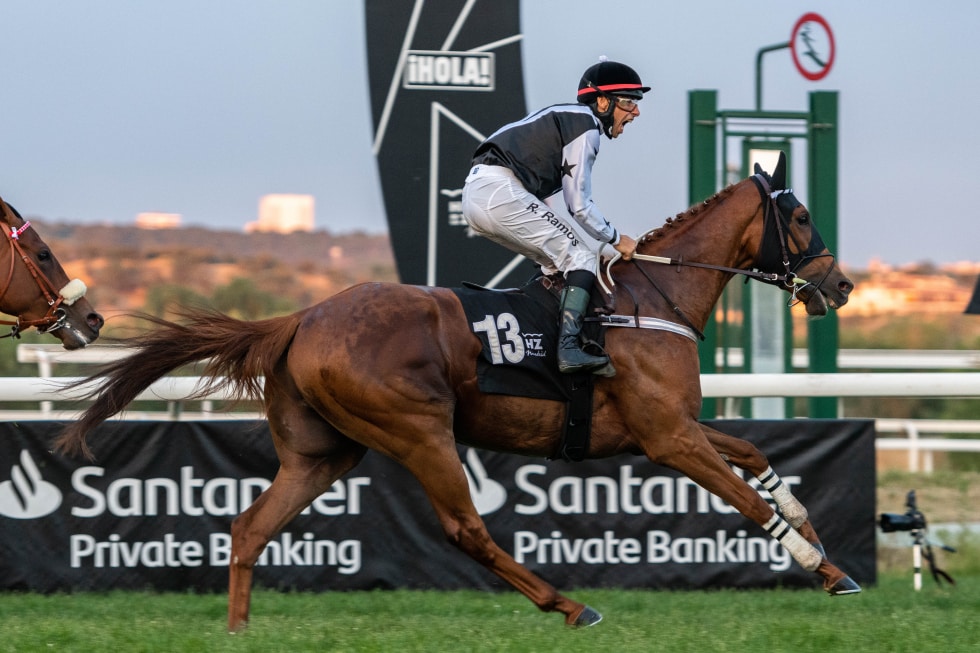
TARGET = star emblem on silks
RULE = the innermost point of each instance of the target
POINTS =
(566, 168)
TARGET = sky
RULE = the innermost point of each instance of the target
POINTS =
(111, 108)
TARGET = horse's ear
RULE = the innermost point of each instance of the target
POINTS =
(779, 176)
(758, 170)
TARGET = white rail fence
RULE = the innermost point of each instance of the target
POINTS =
(48, 390)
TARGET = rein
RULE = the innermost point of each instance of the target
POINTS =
(56, 317)
(770, 214)
(789, 279)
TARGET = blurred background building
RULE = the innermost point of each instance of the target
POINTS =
(284, 213)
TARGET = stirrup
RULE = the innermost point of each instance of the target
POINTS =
(598, 363)
(607, 371)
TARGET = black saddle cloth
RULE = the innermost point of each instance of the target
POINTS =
(519, 332)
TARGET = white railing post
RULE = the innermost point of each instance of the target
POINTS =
(44, 370)
(913, 436)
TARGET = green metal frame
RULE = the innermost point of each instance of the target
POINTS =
(818, 128)
(784, 144)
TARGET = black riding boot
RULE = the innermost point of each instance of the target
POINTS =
(571, 357)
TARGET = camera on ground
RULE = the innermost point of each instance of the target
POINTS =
(911, 520)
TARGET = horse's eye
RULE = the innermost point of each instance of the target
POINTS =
(804, 219)
(44, 255)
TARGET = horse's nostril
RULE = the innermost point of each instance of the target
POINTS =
(845, 287)
(95, 321)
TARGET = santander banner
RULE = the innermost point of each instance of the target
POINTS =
(155, 511)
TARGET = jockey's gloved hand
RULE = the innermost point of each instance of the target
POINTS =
(626, 246)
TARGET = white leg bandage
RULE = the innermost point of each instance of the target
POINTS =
(794, 511)
(801, 550)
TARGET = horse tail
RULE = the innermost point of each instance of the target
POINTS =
(236, 352)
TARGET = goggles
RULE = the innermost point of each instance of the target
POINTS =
(627, 104)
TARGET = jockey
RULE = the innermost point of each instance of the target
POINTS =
(510, 194)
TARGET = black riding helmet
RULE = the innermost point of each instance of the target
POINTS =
(609, 78)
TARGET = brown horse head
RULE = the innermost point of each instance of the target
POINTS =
(792, 246)
(756, 227)
(35, 289)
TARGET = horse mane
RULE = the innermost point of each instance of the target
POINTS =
(678, 220)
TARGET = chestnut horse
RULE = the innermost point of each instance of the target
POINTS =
(35, 290)
(393, 368)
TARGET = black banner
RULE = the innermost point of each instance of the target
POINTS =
(156, 508)
(444, 74)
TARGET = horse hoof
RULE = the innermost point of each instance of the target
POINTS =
(589, 617)
(844, 586)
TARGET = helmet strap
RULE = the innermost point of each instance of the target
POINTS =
(605, 117)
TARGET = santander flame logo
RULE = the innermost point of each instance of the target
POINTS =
(488, 495)
(26, 495)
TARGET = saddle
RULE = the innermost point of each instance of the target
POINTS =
(518, 328)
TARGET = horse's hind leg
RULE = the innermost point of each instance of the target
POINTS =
(441, 474)
(300, 480)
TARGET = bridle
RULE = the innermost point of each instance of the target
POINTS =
(771, 216)
(790, 262)
(56, 316)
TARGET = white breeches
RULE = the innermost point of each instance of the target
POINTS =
(498, 207)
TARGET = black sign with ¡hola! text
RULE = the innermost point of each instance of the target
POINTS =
(444, 75)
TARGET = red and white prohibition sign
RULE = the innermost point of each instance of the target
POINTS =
(812, 45)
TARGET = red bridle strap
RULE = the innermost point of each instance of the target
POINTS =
(51, 295)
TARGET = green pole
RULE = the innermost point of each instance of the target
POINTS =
(822, 335)
(702, 166)
(758, 70)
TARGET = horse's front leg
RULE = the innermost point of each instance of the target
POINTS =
(697, 452)
(746, 456)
